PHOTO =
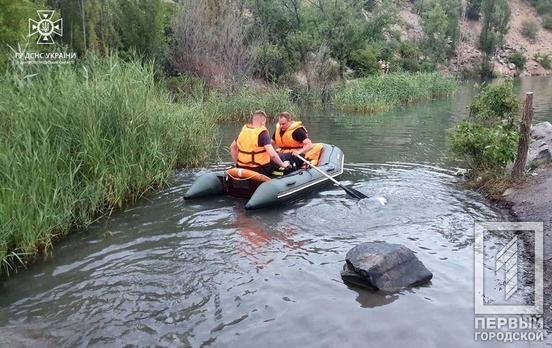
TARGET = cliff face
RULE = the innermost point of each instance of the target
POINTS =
(468, 54)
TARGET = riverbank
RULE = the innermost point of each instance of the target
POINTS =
(532, 202)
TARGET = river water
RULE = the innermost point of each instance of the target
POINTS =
(174, 273)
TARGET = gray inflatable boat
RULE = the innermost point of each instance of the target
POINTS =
(274, 191)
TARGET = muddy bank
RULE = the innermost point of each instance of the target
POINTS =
(532, 202)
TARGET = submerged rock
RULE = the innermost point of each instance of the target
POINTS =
(383, 266)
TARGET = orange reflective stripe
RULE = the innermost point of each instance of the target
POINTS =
(250, 154)
(285, 141)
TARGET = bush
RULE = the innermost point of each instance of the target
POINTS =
(518, 59)
(483, 147)
(495, 104)
(544, 6)
(487, 139)
(409, 57)
(364, 62)
(272, 62)
(547, 23)
(543, 59)
(529, 29)
(473, 10)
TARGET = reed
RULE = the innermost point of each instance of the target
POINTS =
(384, 92)
(78, 141)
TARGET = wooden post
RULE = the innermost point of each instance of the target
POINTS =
(524, 129)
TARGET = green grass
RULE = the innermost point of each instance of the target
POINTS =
(239, 106)
(384, 92)
(76, 142)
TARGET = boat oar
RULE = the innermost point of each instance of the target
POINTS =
(351, 191)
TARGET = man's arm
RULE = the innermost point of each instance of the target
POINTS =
(307, 145)
(234, 151)
(274, 156)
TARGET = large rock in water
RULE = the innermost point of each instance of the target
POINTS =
(383, 266)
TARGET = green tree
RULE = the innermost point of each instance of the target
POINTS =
(434, 24)
(496, 15)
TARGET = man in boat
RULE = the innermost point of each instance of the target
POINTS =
(292, 138)
(252, 149)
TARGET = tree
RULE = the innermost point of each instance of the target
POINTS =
(434, 24)
(496, 15)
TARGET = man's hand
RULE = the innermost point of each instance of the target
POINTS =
(286, 164)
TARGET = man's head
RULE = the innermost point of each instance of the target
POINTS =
(284, 119)
(258, 118)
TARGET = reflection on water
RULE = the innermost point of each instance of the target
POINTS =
(175, 273)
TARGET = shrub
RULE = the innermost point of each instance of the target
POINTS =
(543, 59)
(364, 62)
(487, 139)
(473, 10)
(518, 59)
(547, 23)
(529, 29)
(272, 62)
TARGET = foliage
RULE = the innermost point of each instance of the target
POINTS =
(487, 139)
(547, 22)
(13, 24)
(383, 92)
(543, 59)
(77, 141)
(496, 15)
(239, 106)
(484, 147)
(518, 59)
(364, 62)
(272, 62)
(440, 22)
(529, 29)
(473, 10)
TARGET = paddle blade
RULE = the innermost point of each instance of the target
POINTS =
(354, 193)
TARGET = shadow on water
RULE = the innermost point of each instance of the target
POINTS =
(173, 272)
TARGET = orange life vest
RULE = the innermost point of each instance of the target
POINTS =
(285, 142)
(250, 154)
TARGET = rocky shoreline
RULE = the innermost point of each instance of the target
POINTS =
(532, 201)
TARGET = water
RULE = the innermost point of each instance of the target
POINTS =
(172, 273)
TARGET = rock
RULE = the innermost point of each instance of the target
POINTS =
(540, 149)
(383, 266)
(512, 66)
(541, 130)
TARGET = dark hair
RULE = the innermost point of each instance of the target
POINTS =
(286, 115)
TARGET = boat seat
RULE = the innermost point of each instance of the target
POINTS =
(246, 174)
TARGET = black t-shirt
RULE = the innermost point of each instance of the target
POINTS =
(264, 139)
(298, 135)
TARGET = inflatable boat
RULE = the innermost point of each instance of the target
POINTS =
(263, 191)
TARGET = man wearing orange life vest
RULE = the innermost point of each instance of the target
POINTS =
(253, 149)
(291, 137)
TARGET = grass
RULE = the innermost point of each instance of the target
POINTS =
(384, 92)
(238, 107)
(76, 142)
